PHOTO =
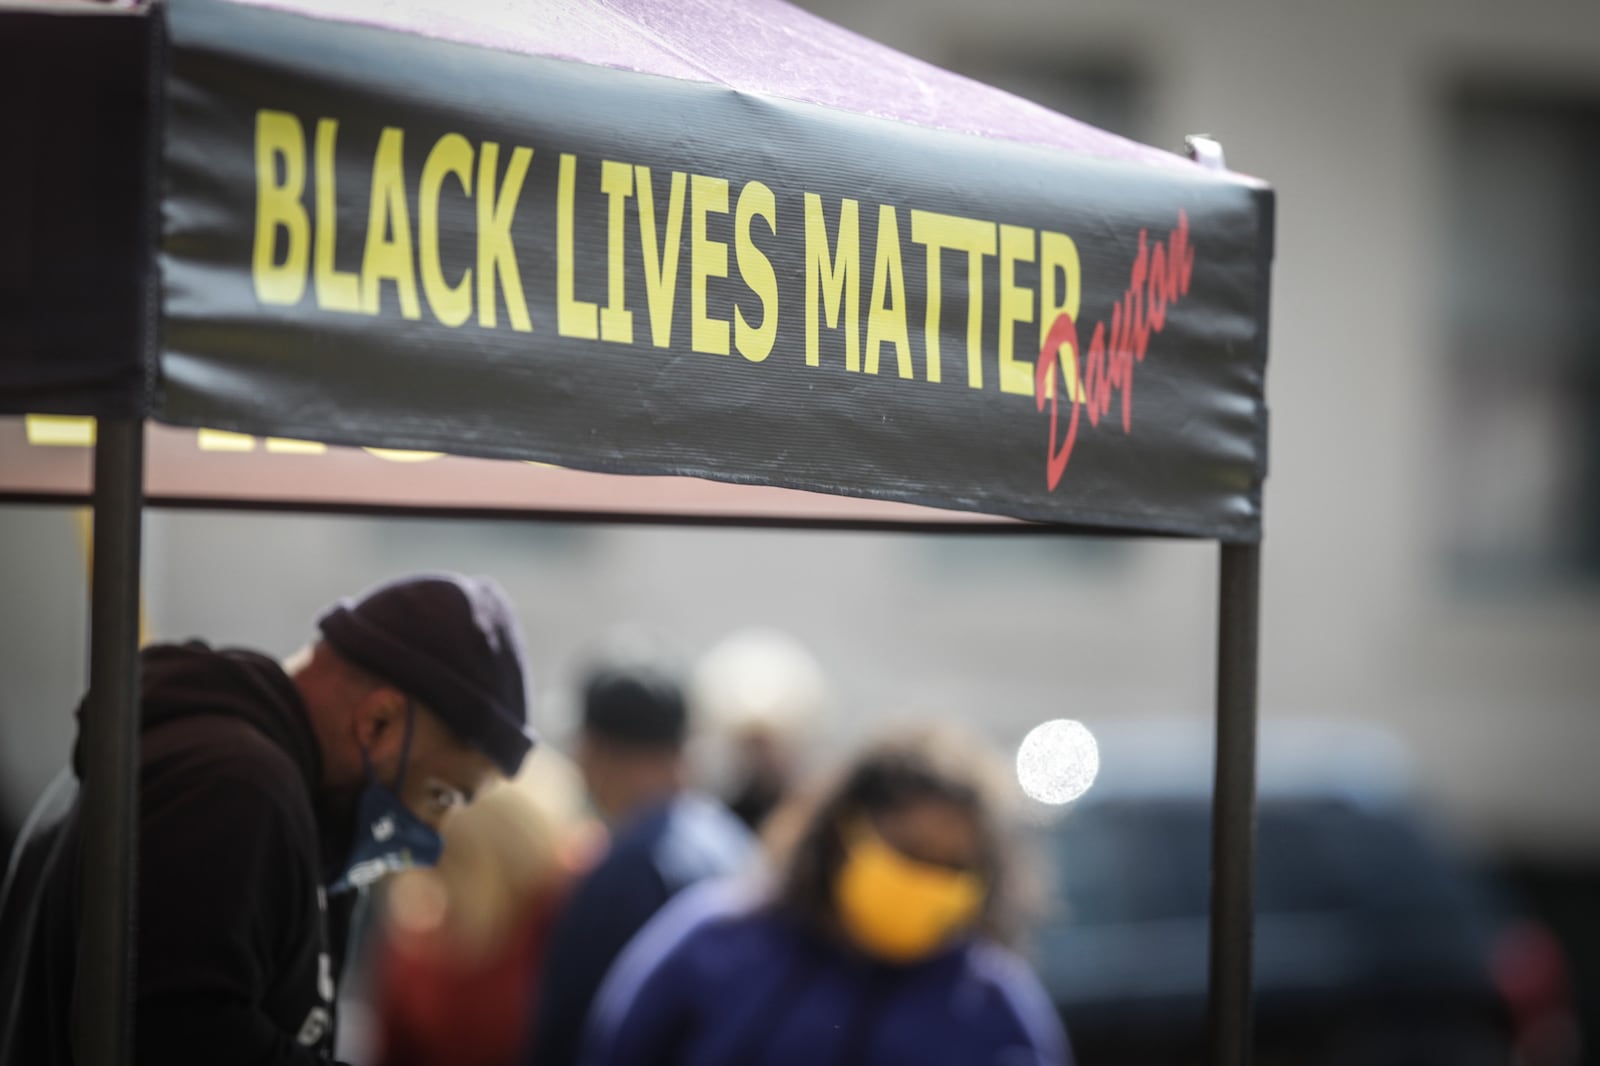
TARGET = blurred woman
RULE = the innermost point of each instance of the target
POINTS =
(878, 944)
(460, 945)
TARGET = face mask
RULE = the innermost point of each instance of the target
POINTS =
(896, 908)
(388, 836)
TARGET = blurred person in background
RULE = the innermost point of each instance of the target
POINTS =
(763, 699)
(664, 836)
(879, 942)
(461, 946)
(268, 793)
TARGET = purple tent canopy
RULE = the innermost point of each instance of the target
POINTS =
(759, 46)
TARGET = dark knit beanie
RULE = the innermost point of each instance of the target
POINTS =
(451, 642)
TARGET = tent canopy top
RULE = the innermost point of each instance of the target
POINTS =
(755, 46)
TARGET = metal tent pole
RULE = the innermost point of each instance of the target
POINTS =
(103, 1022)
(1233, 810)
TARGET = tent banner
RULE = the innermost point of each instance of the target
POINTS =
(382, 239)
(77, 188)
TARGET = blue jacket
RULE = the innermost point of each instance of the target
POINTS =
(718, 980)
(664, 850)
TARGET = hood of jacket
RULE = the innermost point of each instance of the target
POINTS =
(192, 679)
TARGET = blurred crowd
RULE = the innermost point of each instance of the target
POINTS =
(686, 879)
(698, 869)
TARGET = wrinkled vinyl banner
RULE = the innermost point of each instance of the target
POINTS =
(375, 238)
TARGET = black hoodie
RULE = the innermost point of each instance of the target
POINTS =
(236, 946)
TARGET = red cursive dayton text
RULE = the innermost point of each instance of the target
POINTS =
(1159, 278)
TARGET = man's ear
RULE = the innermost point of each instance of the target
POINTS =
(379, 722)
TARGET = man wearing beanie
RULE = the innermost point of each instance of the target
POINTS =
(664, 837)
(269, 794)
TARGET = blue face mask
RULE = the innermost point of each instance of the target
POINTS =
(388, 836)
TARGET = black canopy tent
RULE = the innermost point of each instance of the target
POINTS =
(463, 228)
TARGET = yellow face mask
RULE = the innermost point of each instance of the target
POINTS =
(897, 908)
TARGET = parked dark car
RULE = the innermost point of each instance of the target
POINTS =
(1374, 946)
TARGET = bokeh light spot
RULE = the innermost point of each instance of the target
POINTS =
(1057, 761)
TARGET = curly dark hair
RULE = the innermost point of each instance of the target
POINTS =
(906, 767)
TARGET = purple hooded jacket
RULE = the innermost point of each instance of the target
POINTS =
(720, 980)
